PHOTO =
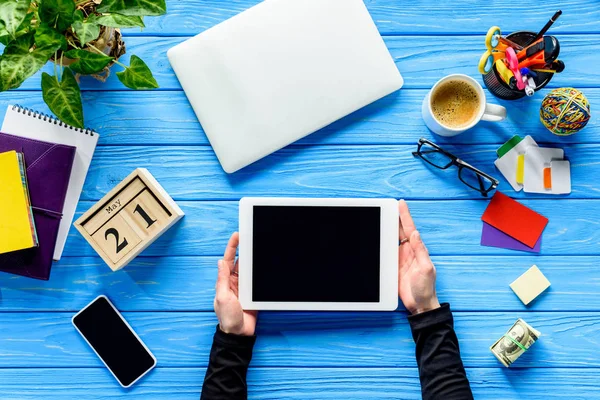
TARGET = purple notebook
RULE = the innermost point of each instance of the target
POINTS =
(48, 172)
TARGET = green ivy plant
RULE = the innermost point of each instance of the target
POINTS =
(68, 33)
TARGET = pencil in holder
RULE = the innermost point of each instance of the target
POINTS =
(499, 88)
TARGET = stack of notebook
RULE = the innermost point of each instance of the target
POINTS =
(55, 158)
(509, 224)
(17, 230)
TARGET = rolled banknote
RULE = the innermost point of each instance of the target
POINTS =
(515, 342)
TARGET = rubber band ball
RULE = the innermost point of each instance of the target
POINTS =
(565, 111)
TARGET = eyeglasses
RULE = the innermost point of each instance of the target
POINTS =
(469, 175)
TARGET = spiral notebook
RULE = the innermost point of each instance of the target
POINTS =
(23, 122)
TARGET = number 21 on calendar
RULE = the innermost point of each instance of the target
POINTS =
(128, 219)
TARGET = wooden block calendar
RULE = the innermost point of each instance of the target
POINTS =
(128, 219)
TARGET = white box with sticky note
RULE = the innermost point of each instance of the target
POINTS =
(534, 169)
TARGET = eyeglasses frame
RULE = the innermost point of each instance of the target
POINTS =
(458, 163)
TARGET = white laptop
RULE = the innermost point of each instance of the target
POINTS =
(281, 70)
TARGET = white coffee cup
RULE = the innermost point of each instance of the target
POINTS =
(487, 111)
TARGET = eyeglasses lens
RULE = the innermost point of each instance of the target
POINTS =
(474, 180)
(434, 156)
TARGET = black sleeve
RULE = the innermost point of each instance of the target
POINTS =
(440, 367)
(225, 377)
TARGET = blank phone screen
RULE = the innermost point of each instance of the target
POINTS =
(316, 254)
(114, 342)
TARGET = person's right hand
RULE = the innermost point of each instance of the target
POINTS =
(232, 318)
(416, 272)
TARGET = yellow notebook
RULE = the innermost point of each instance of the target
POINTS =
(17, 229)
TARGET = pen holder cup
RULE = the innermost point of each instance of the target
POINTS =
(500, 89)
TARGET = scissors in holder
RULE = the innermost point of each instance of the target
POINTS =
(496, 47)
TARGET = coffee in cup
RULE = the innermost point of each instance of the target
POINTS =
(457, 103)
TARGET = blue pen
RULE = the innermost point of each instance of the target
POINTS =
(527, 71)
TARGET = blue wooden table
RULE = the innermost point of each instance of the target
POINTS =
(166, 293)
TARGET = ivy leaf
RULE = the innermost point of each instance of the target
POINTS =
(87, 62)
(133, 7)
(57, 13)
(117, 20)
(86, 31)
(5, 37)
(63, 98)
(78, 16)
(137, 75)
(19, 63)
(21, 45)
(12, 14)
(15, 68)
(47, 38)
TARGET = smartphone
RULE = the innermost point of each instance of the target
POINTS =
(113, 340)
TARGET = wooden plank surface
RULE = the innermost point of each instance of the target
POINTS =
(166, 118)
(303, 339)
(167, 292)
(298, 383)
(422, 60)
(341, 171)
(397, 17)
(448, 228)
(187, 284)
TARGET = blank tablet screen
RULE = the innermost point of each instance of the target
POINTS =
(316, 254)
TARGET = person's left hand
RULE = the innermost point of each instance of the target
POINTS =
(416, 272)
(232, 318)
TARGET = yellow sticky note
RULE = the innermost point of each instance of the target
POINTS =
(520, 168)
(530, 285)
(17, 231)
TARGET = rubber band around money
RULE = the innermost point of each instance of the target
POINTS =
(515, 342)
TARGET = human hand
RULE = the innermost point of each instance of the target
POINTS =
(416, 272)
(232, 318)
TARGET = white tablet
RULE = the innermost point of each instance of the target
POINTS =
(318, 254)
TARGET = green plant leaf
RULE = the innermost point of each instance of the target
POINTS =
(18, 62)
(57, 13)
(87, 62)
(21, 45)
(78, 16)
(117, 20)
(48, 38)
(86, 31)
(5, 37)
(12, 14)
(63, 98)
(137, 75)
(15, 68)
(133, 7)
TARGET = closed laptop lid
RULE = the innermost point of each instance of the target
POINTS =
(280, 71)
